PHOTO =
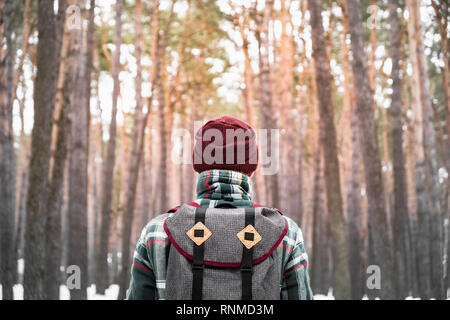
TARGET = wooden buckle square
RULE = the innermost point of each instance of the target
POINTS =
(199, 233)
(249, 236)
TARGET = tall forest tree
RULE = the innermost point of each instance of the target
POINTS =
(159, 83)
(402, 250)
(47, 65)
(430, 156)
(79, 97)
(442, 13)
(265, 97)
(56, 184)
(336, 223)
(7, 177)
(137, 144)
(423, 233)
(108, 169)
(379, 239)
(353, 179)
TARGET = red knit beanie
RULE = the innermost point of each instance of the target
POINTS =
(225, 143)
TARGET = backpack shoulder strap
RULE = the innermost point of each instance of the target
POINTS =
(247, 257)
(197, 260)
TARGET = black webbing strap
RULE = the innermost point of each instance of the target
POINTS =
(247, 259)
(197, 263)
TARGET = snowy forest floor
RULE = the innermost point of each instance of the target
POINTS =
(64, 294)
(113, 292)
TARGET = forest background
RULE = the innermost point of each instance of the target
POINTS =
(91, 92)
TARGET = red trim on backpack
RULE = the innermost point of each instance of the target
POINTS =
(225, 264)
(173, 209)
(192, 204)
(195, 204)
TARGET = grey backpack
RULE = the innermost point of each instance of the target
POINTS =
(224, 254)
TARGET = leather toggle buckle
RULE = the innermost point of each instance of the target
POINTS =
(249, 236)
(199, 233)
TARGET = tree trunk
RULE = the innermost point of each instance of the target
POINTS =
(352, 173)
(146, 191)
(265, 96)
(48, 56)
(22, 158)
(53, 237)
(191, 175)
(89, 52)
(354, 215)
(400, 219)
(79, 156)
(134, 161)
(164, 197)
(55, 196)
(441, 9)
(341, 275)
(411, 186)
(431, 173)
(79, 159)
(24, 47)
(423, 235)
(298, 204)
(319, 262)
(248, 96)
(373, 48)
(102, 263)
(21, 191)
(286, 79)
(7, 170)
(378, 232)
(95, 153)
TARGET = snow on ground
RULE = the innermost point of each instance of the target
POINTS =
(329, 296)
(113, 292)
(64, 294)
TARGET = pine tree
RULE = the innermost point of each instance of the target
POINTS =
(336, 223)
(401, 221)
(108, 169)
(379, 239)
(7, 163)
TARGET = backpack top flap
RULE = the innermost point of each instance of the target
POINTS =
(223, 248)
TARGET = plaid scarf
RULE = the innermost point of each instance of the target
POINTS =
(218, 187)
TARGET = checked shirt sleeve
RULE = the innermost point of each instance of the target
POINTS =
(142, 283)
(295, 278)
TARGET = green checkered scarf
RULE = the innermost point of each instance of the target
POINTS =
(217, 187)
